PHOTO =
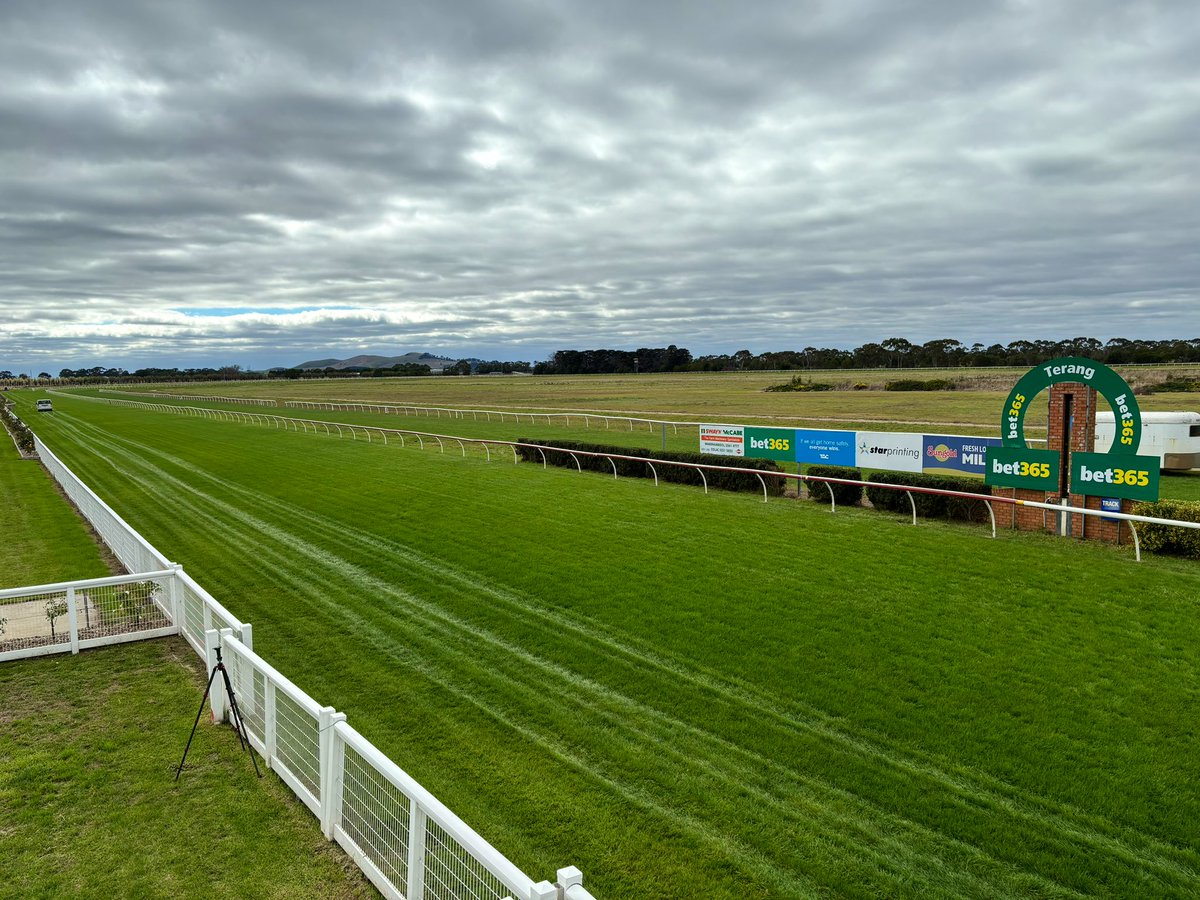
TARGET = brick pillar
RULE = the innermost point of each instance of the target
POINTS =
(1025, 518)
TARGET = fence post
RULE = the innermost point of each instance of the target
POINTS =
(570, 882)
(216, 695)
(269, 722)
(73, 620)
(330, 768)
(543, 890)
(416, 851)
(247, 635)
(175, 596)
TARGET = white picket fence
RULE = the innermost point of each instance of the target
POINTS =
(407, 842)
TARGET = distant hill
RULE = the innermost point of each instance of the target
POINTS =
(370, 361)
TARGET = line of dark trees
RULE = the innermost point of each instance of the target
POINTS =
(896, 353)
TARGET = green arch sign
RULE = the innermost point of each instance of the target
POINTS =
(1111, 386)
(1119, 472)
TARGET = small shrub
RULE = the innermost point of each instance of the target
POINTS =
(557, 455)
(915, 384)
(931, 506)
(843, 494)
(54, 610)
(861, 386)
(1170, 539)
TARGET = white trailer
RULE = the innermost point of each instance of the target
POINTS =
(1174, 437)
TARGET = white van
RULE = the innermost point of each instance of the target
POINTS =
(45, 406)
(1174, 437)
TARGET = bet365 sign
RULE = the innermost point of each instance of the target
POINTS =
(1119, 472)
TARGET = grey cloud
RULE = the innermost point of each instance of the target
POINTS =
(539, 175)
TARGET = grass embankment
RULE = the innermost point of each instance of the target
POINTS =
(88, 745)
(711, 695)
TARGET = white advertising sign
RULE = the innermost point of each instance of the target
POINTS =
(723, 440)
(889, 450)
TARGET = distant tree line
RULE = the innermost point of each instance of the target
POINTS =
(595, 362)
(894, 353)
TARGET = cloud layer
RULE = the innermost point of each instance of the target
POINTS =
(508, 179)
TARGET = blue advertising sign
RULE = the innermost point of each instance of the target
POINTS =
(825, 448)
(944, 454)
(1110, 504)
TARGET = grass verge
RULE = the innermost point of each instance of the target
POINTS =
(88, 748)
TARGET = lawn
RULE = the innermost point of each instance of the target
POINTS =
(727, 396)
(468, 423)
(698, 695)
(88, 746)
(44, 540)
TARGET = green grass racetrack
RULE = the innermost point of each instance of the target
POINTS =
(697, 696)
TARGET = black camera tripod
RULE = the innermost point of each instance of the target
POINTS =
(238, 725)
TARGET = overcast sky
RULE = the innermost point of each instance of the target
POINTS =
(262, 182)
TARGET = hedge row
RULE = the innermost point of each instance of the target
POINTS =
(18, 429)
(930, 506)
(799, 384)
(843, 494)
(1174, 385)
(1166, 538)
(725, 481)
(915, 384)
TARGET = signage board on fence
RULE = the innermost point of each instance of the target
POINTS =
(770, 443)
(1036, 470)
(1115, 475)
(722, 440)
(893, 451)
(825, 448)
(945, 454)
(1110, 504)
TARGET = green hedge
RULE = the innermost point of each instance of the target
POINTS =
(1166, 538)
(799, 384)
(932, 506)
(1174, 385)
(843, 494)
(725, 481)
(18, 429)
(914, 384)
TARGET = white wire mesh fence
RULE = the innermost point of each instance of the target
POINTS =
(73, 616)
(406, 841)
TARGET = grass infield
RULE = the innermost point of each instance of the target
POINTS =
(698, 695)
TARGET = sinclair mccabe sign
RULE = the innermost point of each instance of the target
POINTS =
(1118, 472)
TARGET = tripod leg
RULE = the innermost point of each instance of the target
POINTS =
(199, 712)
(238, 721)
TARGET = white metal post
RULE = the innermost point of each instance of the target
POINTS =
(216, 695)
(72, 620)
(269, 723)
(416, 851)
(247, 635)
(326, 719)
(175, 596)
